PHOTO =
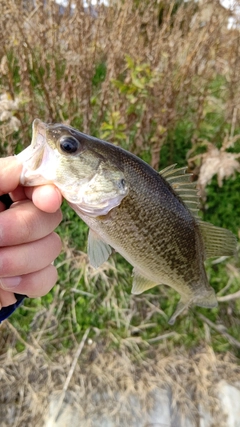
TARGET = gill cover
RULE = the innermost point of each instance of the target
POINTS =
(90, 183)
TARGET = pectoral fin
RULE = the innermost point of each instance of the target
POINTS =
(98, 251)
(141, 283)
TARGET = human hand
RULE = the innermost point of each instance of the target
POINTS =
(28, 244)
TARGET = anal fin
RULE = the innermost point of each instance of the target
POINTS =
(98, 251)
(141, 283)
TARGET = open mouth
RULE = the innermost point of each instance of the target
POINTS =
(39, 134)
(35, 158)
(33, 152)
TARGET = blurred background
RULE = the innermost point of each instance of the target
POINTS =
(160, 78)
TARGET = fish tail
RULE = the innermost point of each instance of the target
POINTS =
(209, 300)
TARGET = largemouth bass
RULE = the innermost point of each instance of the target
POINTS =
(150, 218)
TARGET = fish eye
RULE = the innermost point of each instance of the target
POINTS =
(69, 144)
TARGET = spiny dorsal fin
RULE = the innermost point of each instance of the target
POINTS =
(182, 185)
(168, 170)
(217, 241)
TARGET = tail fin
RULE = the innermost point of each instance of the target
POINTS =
(209, 300)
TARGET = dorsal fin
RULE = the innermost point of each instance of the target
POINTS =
(182, 185)
(217, 241)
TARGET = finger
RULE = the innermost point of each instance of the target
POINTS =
(24, 223)
(38, 283)
(19, 194)
(27, 258)
(10, 170)
(6, 298)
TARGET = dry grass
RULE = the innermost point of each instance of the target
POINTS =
(108, 383)
(104, 373)
(153, 75)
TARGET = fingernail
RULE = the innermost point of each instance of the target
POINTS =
(9, 283)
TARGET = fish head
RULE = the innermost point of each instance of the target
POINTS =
(87, 177)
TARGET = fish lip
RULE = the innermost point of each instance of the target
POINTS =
(37, 143)
(37, 150)
(39, 134)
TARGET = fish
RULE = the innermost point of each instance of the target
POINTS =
(149, 217)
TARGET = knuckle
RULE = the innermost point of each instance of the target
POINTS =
(57, 241)
(22, 222)
(59, 216)
(27, 227)
(48, 276)
(6, 263)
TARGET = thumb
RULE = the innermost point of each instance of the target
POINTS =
(10, 170)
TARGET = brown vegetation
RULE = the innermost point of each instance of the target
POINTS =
(118, 72)
(108, 384)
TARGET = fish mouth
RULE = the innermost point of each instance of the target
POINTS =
(42, 164)
(35, 158)
(39, 134)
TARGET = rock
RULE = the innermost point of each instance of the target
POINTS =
(230, 399)
(130, 412)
